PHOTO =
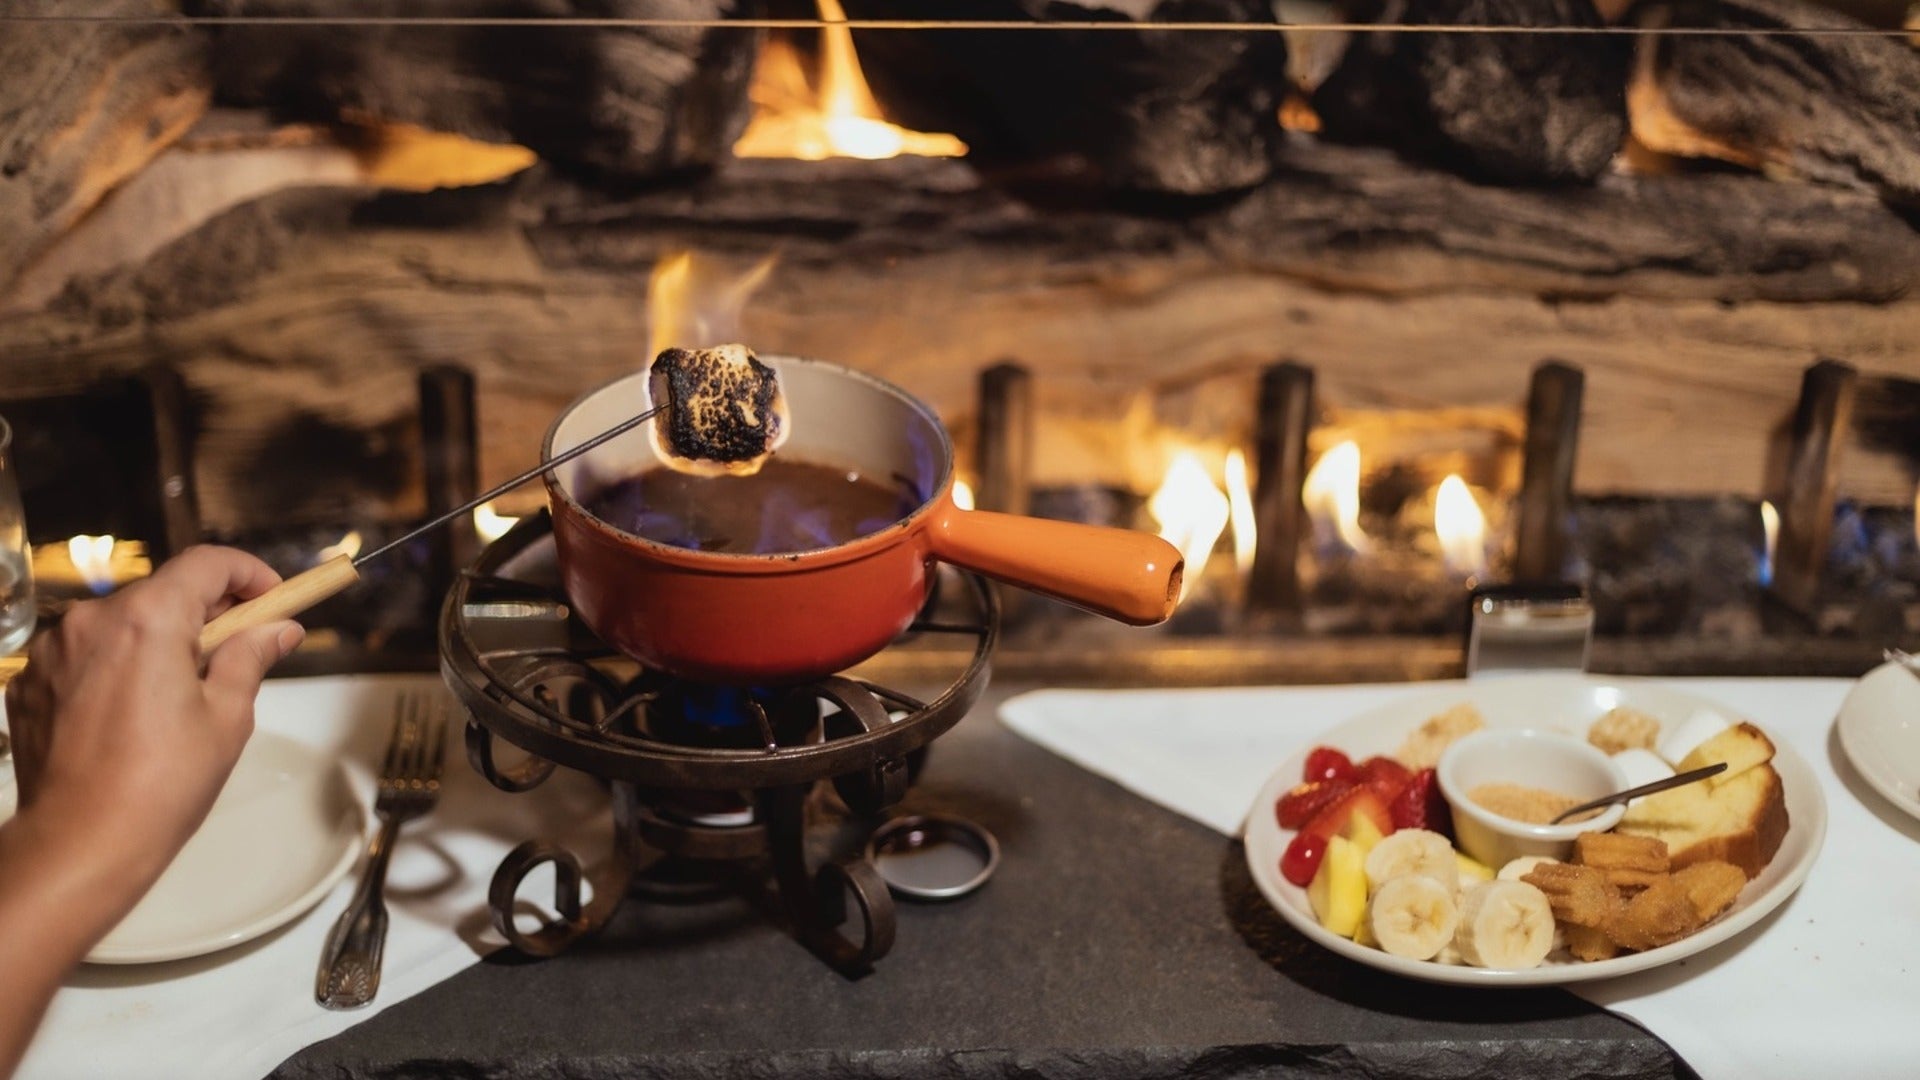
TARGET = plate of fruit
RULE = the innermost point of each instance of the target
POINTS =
(1415, 838)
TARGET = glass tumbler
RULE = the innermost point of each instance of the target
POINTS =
(16, 572)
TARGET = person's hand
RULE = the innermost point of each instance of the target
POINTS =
(121, 742)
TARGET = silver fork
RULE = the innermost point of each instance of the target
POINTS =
(409, 784)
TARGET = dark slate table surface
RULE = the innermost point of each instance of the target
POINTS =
(1117, 940)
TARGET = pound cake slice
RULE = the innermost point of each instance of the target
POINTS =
(1738, 817)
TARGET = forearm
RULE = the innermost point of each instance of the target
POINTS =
(55, 904)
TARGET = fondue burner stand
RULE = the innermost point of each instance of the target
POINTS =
(712, 787)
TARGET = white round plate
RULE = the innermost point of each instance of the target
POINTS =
(286, 827)
(1564, 702)
(1879, 727)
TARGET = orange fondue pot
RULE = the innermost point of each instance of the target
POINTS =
(789, 617)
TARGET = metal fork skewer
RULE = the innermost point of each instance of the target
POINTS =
(349, 974)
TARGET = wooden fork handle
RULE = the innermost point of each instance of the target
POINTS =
(283, 601)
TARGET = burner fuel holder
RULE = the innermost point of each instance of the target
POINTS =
(717, 804)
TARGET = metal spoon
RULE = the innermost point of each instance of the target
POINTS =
(1903, 658)
(1677, 780)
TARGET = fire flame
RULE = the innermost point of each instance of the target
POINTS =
(348, 545)
(1246, 533)
(1462, 528)
(696, 305)
(92, 556)
(962, 494)
(1191, 512)
(1332, 497)
(1770, 529)
(490, 523)
(791, 120)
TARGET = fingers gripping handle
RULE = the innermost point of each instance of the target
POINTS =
(283, 601)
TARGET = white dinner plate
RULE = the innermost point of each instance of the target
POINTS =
(285, 828)
(1564, 702)
(1879, 729)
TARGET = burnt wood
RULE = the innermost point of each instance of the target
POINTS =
(1509, 108)
(1285, 416)
(628, 101)
(450, 457)
(299, 320)
(82, 107)
(1004, 446)
(1839, 110)
(1168, 113)
(1003, 456)
(1821, 423)
(173, 440)
(1543, 511)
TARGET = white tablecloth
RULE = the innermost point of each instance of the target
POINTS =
(240, 1012)
(1827, 985)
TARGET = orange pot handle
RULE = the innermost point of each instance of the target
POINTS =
(1130, 576)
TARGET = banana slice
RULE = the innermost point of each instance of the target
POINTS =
(1506, 925)
(1413, 851)
(1520, 867)
(1413, 916)
(1448, 954)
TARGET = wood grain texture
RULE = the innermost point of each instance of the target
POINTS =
(630, 101)
(1833, 109)
(82, 107)
(1692, 303)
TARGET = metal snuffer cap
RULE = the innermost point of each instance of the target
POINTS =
(931, 857)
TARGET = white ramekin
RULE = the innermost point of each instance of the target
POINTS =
(1550, 760)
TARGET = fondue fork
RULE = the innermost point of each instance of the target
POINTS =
(409, 785)
(302, 591)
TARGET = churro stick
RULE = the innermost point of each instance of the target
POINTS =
(1590, 943)
(1711, 887)
(1631, 879)
(1661, 914)
(1613, 851)
(1579, 895)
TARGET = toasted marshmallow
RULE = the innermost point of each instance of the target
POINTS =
(1704, 724)
(1642, 766)
(723, 410)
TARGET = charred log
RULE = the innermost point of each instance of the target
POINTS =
(82, 107)
(1838, 110)
(300, 319)
(1170, 113)
(1513, 109)
(632, 102)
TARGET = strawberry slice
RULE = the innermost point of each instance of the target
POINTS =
(1326, 763)
(1421, 806)
(1385, 776)
(1302, 858)
(1360, 801)
(1299, 806)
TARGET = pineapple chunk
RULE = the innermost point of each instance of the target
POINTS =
(1338, 891)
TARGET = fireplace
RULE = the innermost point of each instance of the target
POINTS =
(1360, 312)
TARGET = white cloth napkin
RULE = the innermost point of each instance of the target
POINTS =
(240, 1012)
(1827, 985)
